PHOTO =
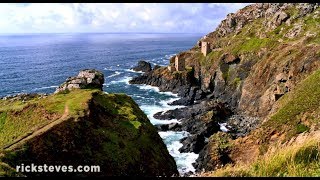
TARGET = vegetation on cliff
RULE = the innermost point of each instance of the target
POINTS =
(81, 127)
(263, 66)
(289, 141)
(281, 87)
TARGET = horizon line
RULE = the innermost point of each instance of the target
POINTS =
(105, 33)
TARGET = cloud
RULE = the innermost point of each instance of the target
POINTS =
(113, 17)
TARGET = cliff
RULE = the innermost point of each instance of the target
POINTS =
(81, 126)
(262, 66)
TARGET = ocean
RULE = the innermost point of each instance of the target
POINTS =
(38, 63)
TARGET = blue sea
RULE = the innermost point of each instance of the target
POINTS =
(41, 62)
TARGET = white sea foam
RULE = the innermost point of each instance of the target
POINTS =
(150, 110)
(116, 73)
(223, 127)
(183, 160)
(130, 70)
(168, 56)
(46, 87)
(156, 89)
(171, 138)
(125, 79)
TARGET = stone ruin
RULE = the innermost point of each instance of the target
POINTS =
(205, 48)
(179, 64)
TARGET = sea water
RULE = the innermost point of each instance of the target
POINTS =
(38, 63)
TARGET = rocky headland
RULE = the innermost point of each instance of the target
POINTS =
(246, 86)
(81, 125)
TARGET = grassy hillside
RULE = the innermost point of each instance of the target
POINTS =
(298, 112)
(19, 118)
(80, 127)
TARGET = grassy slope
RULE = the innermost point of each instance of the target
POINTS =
(122, 133)
(247, 40)
(299, 110)
(293, 160)
(17, 118)
(300, 160)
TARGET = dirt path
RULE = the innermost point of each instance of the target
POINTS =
(39, 131)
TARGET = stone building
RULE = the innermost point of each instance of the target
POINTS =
(205, 48)
(179, 64)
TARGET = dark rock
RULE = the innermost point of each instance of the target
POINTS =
(143, 66)
(179, 83)
(193, 143)
(168, 127)
(199, 94)
(241, 125)
(168, 115)
(162, 127)
(174, 127)
(229, 58)
(214, 155)
(156, 67)
(183, 102)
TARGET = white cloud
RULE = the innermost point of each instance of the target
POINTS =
(108, 17)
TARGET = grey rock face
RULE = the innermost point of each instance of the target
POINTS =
(273, 13)
(86, 79)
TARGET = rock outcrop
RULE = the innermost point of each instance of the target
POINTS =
(86, 79)
(143, 66)
(82, 127)
(182, 83)
(258, 56)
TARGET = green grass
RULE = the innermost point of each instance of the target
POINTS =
(188, 68)
(300, 160)
(305, 98)
(292, 161)
(75, 100)
(236, 82)
(7, 171)
(3, 117)
(210, 58)
(122, 134)
(243, 45)
(220, 141)
(19, 118)
(6, 105)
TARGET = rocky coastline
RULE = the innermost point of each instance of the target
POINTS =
(228, 91)
(202, 116)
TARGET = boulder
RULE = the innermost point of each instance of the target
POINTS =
(86, 79)
(278, 18)
(143, 66)
(194, 143)
(214, 155)
(168, 127)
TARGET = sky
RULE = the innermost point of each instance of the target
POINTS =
(114, 17)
